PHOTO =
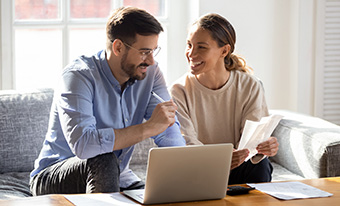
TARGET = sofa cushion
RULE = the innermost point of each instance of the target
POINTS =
(14, 185)
(309, 146)
(23, 124)
(139, 157)
(282, 174)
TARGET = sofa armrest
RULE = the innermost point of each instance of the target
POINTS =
(309, 146)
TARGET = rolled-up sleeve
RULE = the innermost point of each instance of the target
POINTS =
(170, 137)
(77, 119)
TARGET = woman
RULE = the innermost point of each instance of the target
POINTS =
(219, 95)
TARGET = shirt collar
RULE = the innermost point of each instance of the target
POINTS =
(106, 69)
(131, 82)
(108, 73)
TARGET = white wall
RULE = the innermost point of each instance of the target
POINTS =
(267, 36)
(275, 45)
(0, 50)
(180, 17)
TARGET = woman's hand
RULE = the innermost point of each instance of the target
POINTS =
(238, 157)
(269, 147)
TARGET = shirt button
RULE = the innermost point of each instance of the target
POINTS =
(126, 120)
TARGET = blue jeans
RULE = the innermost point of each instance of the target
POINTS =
(248, 172)
(71, 176)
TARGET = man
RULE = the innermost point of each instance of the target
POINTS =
(98, 111)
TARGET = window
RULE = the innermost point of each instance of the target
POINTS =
(43, 36)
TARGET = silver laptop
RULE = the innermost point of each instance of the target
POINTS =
(191, 173)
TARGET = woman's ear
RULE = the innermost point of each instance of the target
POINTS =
(117, 47)
(226, 50)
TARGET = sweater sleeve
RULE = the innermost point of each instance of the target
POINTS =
(187, 127)
(256, 106)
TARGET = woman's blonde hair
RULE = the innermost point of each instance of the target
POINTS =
(223, 32)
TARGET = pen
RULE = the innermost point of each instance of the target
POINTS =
(157, 97)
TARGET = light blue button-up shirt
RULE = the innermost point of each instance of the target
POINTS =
(87, 107)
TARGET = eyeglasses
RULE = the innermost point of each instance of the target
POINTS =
(144, 53)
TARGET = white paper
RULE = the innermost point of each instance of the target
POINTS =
(255, 133)
(101, 199)
(290, 190)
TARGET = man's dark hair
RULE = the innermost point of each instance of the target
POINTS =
(125, 22)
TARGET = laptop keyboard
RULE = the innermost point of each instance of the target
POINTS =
(140, 196)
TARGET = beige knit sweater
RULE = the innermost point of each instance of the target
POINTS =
(218, 116)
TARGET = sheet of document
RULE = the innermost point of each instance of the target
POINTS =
(255, 133)
(100, 199)
(290, 190)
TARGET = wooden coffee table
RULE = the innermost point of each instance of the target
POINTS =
(254, 198)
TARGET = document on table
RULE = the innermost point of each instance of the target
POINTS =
(100, 199)
(255, 133)
(290, 190)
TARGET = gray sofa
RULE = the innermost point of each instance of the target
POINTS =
(309, 147)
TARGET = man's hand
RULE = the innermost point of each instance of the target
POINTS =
(238, 157)
(163, 116)
(269, 147)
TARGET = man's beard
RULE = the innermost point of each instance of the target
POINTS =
(130, 69)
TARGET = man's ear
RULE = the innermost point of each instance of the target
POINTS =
(226, 50)
(117, 47)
